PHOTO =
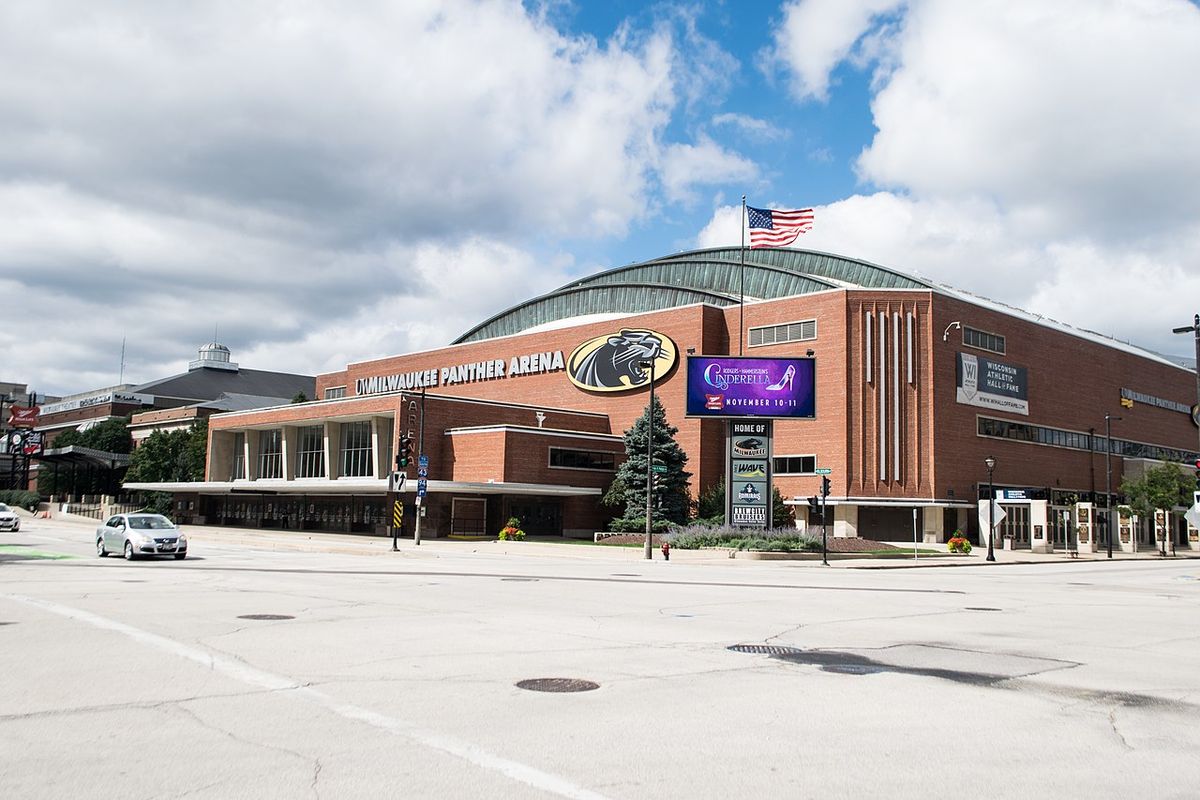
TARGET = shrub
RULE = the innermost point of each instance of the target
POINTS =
(19, 498)
(958, 544)
(696, 537)
(512, 530)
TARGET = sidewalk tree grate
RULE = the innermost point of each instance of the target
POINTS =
(765, 649)
(265, 616)
(557, 685)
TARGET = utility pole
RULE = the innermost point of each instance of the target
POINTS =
(1108, 418)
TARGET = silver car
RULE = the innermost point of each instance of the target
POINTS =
(137, 535)
(9, 521)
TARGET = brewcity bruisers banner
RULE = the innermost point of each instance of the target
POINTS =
(991, 384)
(748, 478)
(731, 386)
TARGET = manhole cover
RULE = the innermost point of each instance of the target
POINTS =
(265, 616)
(982, 608)
(764, 649)
(557, 685)
(523, 580)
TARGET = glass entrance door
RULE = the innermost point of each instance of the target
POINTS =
(1015, 525)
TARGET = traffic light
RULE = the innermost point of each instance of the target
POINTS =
(824, 486)
(403, 453)
(1198, 474)
(814, 505)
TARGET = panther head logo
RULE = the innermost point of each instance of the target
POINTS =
(613, 362)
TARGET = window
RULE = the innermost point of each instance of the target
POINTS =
(803, 331)
(992, 342)
(270, 454)
(582, 459)
(237, 470)
(795, 465)
(1071, 440)
(310, 452)
(334, 392)
(356, 450)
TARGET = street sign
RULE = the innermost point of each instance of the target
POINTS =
(1192, 515)
(997, 516)
(396, 482)
(658, 467)
(823, 471)
(423, 461)
(397, 514)
(422, 472)
(420, 487)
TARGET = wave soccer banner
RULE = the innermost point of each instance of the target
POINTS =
(733, 386)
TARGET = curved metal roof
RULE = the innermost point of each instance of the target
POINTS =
(699, 276)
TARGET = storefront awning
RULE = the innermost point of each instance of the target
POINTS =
(84, 457)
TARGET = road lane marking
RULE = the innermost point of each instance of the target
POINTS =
(523, 773)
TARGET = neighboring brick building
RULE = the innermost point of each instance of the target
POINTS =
(904, 414)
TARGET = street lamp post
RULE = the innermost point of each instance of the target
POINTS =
(649, 459)
(1108, 418)
(1194, 328)
(990, 463)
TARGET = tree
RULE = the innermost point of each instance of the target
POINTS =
(111, 436)
(711, 507)
(672, 501)
(169, 456)
(300, 397)
(1160, 488)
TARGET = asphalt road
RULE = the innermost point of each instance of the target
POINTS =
(393, 674)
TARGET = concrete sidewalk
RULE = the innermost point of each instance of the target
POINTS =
(352, 544)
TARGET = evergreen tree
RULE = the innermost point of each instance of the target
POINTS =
(672, 501)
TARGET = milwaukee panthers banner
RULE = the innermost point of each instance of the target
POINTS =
(990, 384)
(731, 386)
(623, 361)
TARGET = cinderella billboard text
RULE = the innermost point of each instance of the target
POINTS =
(728, 386)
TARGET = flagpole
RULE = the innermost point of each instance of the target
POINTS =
(742, 292)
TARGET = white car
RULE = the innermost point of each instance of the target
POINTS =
(9, 521)
(137, 535)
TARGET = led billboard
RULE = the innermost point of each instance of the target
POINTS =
(734, 386)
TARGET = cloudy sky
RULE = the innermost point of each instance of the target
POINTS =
(323, 182)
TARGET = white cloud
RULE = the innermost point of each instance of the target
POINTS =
(1039, 154)
(275, 169)
(1082, 118)
(685, 166)
(816, 35)
(758, 129)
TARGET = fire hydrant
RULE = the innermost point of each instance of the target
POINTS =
(666, 551)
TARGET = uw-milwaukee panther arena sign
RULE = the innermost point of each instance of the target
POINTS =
(620, 362)
(471, 372)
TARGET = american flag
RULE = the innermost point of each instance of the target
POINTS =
(776, 228)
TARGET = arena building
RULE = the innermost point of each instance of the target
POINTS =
(916, 385)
